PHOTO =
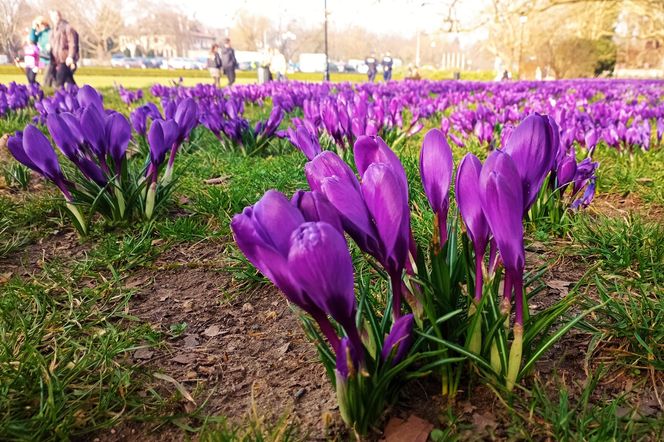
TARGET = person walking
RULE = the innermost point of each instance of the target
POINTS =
(214, 64)
(372, 64)
(64, 50)
(30, 61)
(40, 34)
(278, 65)
(228, 61)
(387, 67)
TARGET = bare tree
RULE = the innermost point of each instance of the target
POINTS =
(98, 23)
(14, 14)
(251, 30)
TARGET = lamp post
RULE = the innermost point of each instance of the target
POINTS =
(326, 77)
(522, 19)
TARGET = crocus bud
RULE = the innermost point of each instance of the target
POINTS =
(532, 147)
(398, 341)
(436, 169)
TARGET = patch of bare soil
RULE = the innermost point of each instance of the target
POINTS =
(617, 205)
(233, 355)
(61, 244)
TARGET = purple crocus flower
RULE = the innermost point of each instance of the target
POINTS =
(320, 264)
(566, 171)
(387, 202)
(501, 194)
(139, 117)
(161, 137)
(533, 149)
(436, 167)
(88, 96)
(305, 141)
(369, 149)
(398, 341)
(587, 197)
(591, 139)
(345, 366)
(32, 148)
(263, 232)
(467, 191)
(118, 133)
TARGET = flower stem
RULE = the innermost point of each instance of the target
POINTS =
(515, 357)
(149, 201)
(79, 217)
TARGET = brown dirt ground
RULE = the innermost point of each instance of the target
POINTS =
(616, 205)
(235, 354)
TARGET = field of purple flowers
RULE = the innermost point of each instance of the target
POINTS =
(410, 260)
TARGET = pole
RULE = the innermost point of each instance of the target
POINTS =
(327, 60)
(520, 50)
(417, 48)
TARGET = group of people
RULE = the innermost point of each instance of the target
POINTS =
(53, 48)
(386, 65)
(222, 61)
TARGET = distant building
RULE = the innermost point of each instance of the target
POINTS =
(194, 44)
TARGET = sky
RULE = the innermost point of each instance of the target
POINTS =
(403, 17)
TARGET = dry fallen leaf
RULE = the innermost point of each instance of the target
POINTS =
(561, 286)
(212, 331)
(143, 353)
(4, 277)
(414, 429)
(485, 421)
(190, 341)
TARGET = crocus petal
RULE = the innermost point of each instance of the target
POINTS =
(41, 153)
(15, 147)
(436, 168)
(62, 135)
(88, 96)
(118, 134)
(467, 191)
(93, 129)
(502, 197)
(398, 341)
(320, 263)
(276, 218)
(387, 204)
(328, 164)
(316, 207)
(532, 148)
(369, 150)
(355, 217)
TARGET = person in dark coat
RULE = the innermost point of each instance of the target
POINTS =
(387, 67)
(214, 64)
(64, 50)
(372, 64)
(228, 61)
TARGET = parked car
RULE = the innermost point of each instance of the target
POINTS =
(180, 63)
(133, 62)
(153, 62)
(199, 63)
(245, 66)
(117, 60)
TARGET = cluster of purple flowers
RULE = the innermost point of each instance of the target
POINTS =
(15, 97)
(96, 140)
(587, 111)
(129, 97)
